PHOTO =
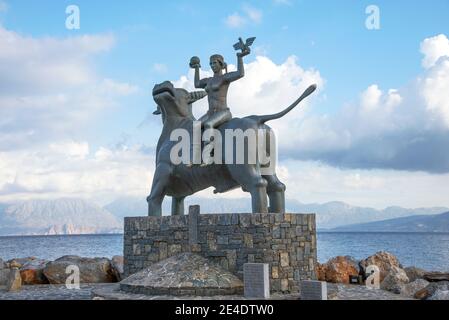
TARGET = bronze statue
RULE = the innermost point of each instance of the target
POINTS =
(179, 180)
(217, 86)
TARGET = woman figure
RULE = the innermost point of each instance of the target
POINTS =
(217, 87)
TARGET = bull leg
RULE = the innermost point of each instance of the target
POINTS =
(276, 194)
(177, 206)
(259, 197)
(160, 182)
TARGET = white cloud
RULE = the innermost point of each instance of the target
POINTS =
(315, 182)
(235, 20)
(68, 169)
(403, 129)
(433, 49)
(240, 19)
(49, 87)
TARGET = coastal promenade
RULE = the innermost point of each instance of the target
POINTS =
(109, 292)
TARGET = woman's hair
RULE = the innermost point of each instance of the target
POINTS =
(220, 59)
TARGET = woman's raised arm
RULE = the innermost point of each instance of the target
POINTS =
(240, 73)
(199, 83)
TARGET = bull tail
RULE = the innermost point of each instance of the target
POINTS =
(266, 118)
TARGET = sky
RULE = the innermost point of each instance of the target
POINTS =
(76, 107)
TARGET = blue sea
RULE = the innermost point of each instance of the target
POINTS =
(425, 250)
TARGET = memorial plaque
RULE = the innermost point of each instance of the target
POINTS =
(313, 290)
(256, 280)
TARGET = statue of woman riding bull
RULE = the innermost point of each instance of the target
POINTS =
(180, 180)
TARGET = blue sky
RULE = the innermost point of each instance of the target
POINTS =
(327, 35)
(153, 41)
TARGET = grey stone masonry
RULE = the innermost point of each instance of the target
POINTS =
(256, 280)
(287, 242)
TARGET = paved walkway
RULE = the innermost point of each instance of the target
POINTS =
(50, 292)
(111, 292)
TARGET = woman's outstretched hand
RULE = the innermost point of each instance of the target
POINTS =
(195, 63)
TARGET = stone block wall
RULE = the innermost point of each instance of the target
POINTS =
(287, 242)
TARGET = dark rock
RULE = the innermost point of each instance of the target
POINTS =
(92, 270)
(117, 267)
(410, 289)
(394, 280)
(18, 263)
(32, 272)
(436, 276)
(414, 273)
(431, 289)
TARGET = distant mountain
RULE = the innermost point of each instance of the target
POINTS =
(430, 223)
(76, 216)
(329, 215)
(55, 217)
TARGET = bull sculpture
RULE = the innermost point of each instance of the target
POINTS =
(181, 180)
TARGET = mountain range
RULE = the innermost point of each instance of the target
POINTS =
(55, 217)
(431, 223)
(78, 216)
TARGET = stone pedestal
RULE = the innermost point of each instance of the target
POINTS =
(287, 242)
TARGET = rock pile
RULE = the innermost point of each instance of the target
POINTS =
(34, 271)
(410, 282)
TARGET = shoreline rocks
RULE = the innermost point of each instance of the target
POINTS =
(385, 261)
(14, 282)
(337, 270)
(410, 282)
(91, 270)
(394, 280)
(117, 263)
(34, 271)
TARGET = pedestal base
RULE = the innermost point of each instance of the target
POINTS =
(287, 242)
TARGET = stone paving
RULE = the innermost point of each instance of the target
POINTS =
(111, 292)
(50, 292)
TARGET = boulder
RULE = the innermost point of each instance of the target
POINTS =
(18, 263)
(440, 295)
(385, 261)
(414, 273)
(338, 269)
(2, 264)
(117, 267)
(14, 281)
(32, 272)
(436, 276)
(394, 280)
(431, 289)
(410, 289)
(92, 270)
(320, 271)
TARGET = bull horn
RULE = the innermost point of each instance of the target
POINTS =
(195, 96)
